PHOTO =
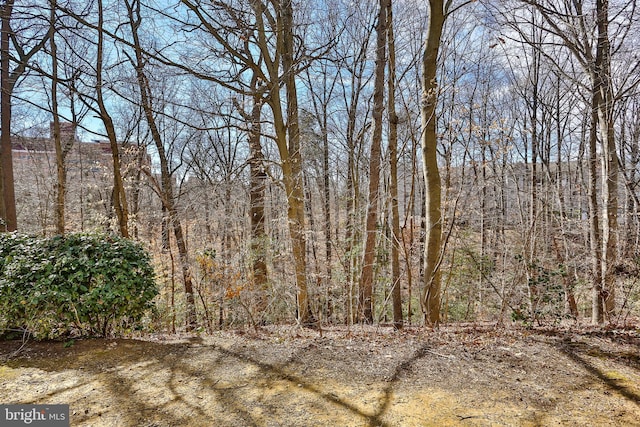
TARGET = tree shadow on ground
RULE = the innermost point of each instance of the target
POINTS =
(249, 382)
(98, 366)
(109, 370)
(279, 372)
(580, 354)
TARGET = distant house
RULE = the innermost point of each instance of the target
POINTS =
(89, 179)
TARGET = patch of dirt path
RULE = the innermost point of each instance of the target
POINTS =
(456, 376)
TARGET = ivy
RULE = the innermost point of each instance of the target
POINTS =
(81, 283)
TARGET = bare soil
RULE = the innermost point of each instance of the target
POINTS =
(365, 376)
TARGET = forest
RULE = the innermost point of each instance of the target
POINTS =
(331, 162)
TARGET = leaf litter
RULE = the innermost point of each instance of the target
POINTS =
(456, 375)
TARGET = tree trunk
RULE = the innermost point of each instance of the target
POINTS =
(61, 170)
(350, 235)
(531, 252)
(168, 198)
(365, 303)
(605, 108)
(396, 294)
(326, 187)
(119, 196)
(8, 214)
(430, 294)
(291, 157)
(258, 178)
(573, 27)
(352, 231)
(595, 239)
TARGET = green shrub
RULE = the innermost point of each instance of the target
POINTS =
(77, 283)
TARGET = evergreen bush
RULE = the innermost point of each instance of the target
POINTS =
(84, 284)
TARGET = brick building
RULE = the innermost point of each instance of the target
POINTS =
(89, 180)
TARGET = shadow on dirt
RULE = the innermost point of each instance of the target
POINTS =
(374, 380)
(580, 352)
(124, 376)
(279, 372)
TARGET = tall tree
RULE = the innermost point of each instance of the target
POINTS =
(292, 158)
(366, 278)
(61, 151)
(8, 216)
(571, 24)
(8, 78)
(262, 40)
(430, 294)
(354, 79)
(167, 190)
(118, 195)
(322, 97)
(604, 101)
(396, 295)
(257, 187)
(257, 182)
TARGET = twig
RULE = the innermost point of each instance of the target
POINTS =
(25, 339)
(466, 417)
(446, 356)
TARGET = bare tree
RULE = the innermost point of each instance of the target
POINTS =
(8, 217)
(265, 31)
(572, 25)
(393, 178)
(355, 78)
(257, 186)
(8, 79)
(61, 151)
(366, 279)
(167, 195)
(430, 295)
(119, 198)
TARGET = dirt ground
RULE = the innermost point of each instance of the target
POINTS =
(364, 376)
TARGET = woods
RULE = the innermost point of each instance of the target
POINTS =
(330, 162)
